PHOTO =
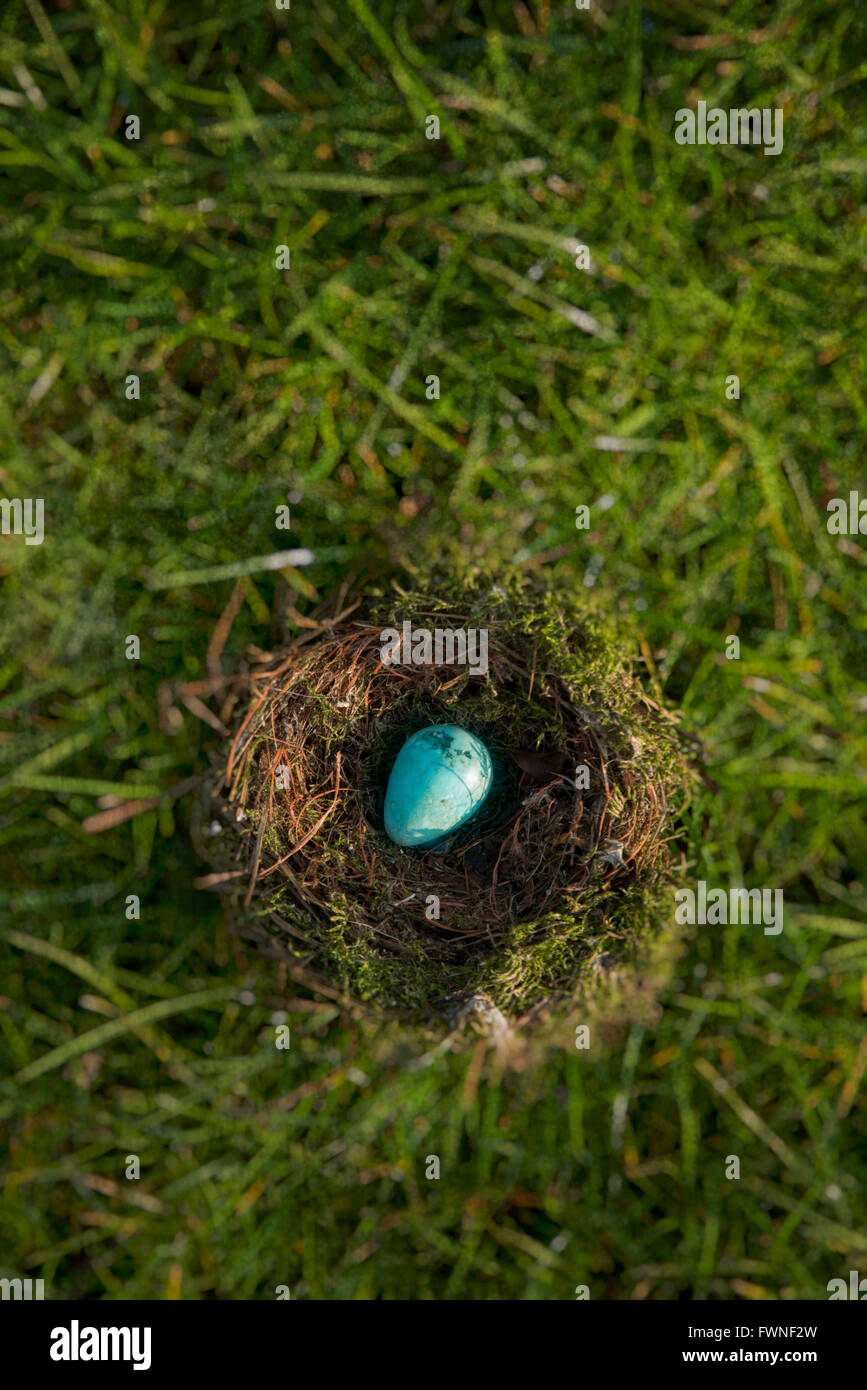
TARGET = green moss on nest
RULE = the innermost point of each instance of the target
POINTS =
(549, 881)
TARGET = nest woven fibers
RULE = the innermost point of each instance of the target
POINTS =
(560, 869)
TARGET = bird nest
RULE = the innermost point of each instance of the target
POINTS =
(555, 872)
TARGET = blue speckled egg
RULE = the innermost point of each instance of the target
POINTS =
(439, 779)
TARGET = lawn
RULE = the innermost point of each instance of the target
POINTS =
(238, 303)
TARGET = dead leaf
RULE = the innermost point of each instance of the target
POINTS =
(543, 766)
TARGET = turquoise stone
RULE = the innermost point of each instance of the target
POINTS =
(439, 779)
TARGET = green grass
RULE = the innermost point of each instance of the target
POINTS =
(154, 1037)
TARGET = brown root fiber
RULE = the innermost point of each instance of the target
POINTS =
(558, 871)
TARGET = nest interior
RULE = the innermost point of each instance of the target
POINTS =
(558, 869)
